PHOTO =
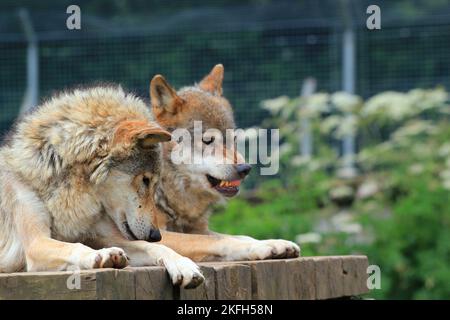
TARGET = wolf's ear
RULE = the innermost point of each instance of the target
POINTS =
(213, 81)
(147, 139)
(163, 96)
(141, 133)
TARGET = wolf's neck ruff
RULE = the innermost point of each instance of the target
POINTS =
(162, 203)
(184, 203)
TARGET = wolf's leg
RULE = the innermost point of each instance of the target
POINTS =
(280, 248)
(220, 247)
(245, 247)
(182, 270)
(46, 254)
(33, 224)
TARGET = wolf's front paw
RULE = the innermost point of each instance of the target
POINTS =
(183, 272)
(109, 258)
(282, 249)
(262, 250)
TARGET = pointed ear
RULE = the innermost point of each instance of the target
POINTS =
(213, 81)
(163, 96)
(142, 133)
(152, 137)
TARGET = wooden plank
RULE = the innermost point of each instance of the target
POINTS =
(301, 278)
(269, 280)
(301, 281)
(355, 275)
(152, 283)
(48, 286)
(206, 291)
(329, 277)
(114, 284)
(233, 282)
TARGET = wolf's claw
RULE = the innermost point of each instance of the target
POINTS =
(197, 280)
(184, 272)
(262, 250)
(283, 249)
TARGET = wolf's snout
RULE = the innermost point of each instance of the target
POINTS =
(243, 170)
(154, 235)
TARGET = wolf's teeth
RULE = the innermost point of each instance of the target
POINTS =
(225, 184)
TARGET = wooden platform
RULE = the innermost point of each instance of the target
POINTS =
(302, 278)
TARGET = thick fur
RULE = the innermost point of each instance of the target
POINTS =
(184, 194)
(77, 182)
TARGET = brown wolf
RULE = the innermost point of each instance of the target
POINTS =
(77, 177)
(187, 191)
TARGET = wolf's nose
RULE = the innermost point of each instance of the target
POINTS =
(243, 170)
(154, 235)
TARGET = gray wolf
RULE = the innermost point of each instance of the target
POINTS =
(77, 178)
(186, 192)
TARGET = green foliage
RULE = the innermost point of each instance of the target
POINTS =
(284, 210)
(396, 211)
(412, 246)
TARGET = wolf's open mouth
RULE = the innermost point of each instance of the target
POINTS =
(227, 188)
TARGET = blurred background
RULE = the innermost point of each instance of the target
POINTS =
(363, 114)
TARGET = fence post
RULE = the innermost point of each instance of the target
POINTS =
(32, 90)
(306, 145)
(348, 82)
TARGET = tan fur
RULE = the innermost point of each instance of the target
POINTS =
(186, 196)
(79, 169)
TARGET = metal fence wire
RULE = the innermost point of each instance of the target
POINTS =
(263, 58)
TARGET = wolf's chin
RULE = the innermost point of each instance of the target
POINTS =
(127, 232)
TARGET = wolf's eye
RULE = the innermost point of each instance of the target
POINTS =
(146, 181)
(208, 140)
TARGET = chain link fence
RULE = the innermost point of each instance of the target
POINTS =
(263, 58)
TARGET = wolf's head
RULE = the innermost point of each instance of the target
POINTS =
(99, 148)
(204, 113)
(134, 167)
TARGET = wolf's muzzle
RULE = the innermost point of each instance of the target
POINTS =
(154, 235)
(243, 170)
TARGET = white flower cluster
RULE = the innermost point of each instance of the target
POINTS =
(413, 128)
(347, 126)
(274, 106)
(398, 106)
(346, 102)
(314, 105)
(395, 117)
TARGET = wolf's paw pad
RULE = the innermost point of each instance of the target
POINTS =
(282, 249)
(110, 258)
(184, 273)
